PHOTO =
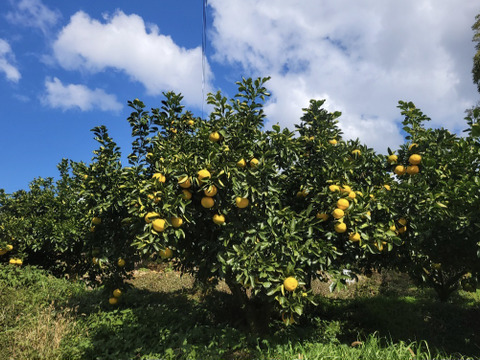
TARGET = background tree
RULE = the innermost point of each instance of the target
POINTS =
(476, 58)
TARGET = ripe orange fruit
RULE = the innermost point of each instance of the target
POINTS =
(214, 136)
(386, 186)
(166, 254)
(393, 228)
(356, 152)
(218, 219)
(241, 163)
(210, 191)
(117, 293)
(241, 202)
(207, 202)
(333, 141)
(159, 177)
(9, 247)
(203, 174)
(191, 122)
(343, 204)
(412, 169)
(392, 158)
(338, 213)
(184, 182)
(340, 227)
(121, 262)
(399, 170)
(415, 159)
(290, 283)
(113, 301)
(176, 222)
(149, 217)
(159, 224)
(354, 237)
(96, 221)
(346, 189)
(402, 229)
(322, 216)
(352, 195)
(186, 195)
(334, 188)
(254, 163)
(402, 221)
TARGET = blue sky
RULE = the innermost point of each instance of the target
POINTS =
(67, 66)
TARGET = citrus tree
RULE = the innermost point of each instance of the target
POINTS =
(265, 211)
(40, 226)
(437, 193)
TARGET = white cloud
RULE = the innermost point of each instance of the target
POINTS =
(6, 59)
(361, 56)
(78, 96)
(125, 43)
(33, 13)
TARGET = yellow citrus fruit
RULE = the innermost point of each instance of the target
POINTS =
(184, 182)
(155, 199)
(392, 158)
(241, 163)
(338, 213)
(254, 163)
(393, 228)
(113, 301)
(415, 159)
(218, 219)
(96, 221)
(13, 261)
(340, 227)
(322, 216)
(412, 145)
(356, 152)
(166, 254)
(176, 222)
(352, 195)
(346, 189)
(343, 204)
(412, 169)
(402, 221)
(159, 224)
(214, 136)
(3, 252)
(9, 247)
(191, 122)
(150, 216)
(159, 177)
(386, 186)
(290, 283)
(334, 188)
(121, 262)
(399, 170)
(210, 191)
(203, 174)
(117, 293)
(402, 229)
(333, 141)
(354, 237)
(186, 195)
(173, 130)
(207, 202)
(241, 202)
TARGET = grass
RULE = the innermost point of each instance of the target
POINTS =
(165, 316)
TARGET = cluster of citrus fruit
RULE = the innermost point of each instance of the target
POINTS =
(7, 249)
(411, 169)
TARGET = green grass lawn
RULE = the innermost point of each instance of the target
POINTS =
(166, 316)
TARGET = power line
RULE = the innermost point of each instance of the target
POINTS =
(204, 49)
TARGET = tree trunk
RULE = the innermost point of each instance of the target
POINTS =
(256, 312)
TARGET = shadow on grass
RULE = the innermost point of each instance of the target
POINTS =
(449, 327)
(183, 325)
